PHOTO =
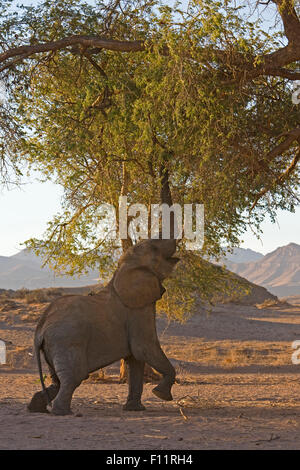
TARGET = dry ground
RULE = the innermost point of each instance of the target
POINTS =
(238, 388)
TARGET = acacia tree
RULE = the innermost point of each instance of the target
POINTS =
(120, 97)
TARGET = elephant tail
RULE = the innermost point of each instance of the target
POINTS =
(38, 344)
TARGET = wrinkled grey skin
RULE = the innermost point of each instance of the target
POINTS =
(80, 334)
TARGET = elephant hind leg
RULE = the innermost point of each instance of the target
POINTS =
(62, 403)
(71, 371)
(39, 401)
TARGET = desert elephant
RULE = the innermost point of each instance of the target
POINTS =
(81, 334)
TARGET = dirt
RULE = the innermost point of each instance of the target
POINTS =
(237, 388)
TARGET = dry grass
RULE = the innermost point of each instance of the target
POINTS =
(41, 295)
(30, 296)
(96, 377)
(20, 357)
(227, 354)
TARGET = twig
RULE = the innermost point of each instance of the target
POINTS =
(273, 437)
(182, 414)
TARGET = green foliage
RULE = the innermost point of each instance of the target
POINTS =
(99, 123)
(197, 283)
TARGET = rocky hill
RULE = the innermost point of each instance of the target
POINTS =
(25, 270)
(278, 271)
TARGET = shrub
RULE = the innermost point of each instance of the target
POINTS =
(37, 296)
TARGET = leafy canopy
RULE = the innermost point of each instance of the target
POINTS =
(102, 123)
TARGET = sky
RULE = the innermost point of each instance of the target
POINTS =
(25, 212)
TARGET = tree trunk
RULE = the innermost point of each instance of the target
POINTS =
(150, 374)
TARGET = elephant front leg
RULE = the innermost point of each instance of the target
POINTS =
(161, 363)
(156, 358)
(135, 384)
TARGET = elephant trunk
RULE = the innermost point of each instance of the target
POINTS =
(167, 247)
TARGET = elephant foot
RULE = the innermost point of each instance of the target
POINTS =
(133, 406)
(38, 404)
(60, 411)
(163, 394)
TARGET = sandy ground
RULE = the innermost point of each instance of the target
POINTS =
(238, 388)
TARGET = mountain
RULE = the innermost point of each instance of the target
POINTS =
(278, 271)
(243, 255)
(25, 270)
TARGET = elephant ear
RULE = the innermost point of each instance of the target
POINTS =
(137, 287)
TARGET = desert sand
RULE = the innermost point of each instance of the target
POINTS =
(236, 387)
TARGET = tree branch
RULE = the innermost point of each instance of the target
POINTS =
(284, 73)
(246, 67)
(84, 41)
(279, 179)
(290, 168)
(292, 136)
(290, 19)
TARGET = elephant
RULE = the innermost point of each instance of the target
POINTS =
(79, 334)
